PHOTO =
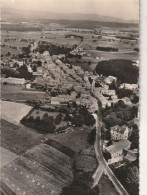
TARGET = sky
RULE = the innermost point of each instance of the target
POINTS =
(126, 9)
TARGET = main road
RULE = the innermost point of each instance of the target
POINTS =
(103, 166)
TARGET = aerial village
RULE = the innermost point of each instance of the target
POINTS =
(79, 94)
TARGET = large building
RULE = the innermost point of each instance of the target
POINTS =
(119, 133)
(116, 150)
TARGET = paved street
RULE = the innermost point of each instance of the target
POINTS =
(103, 166)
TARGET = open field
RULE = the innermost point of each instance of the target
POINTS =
(114, 55)
(25, 176)
(6, 157)
(16, 43)
(13, 92)
(68, 143)
(51, 158)
(106, 187)
(53, 37)
(13, 136)
(93, 43)
(75, 140)
(14, 112)
(6, 49)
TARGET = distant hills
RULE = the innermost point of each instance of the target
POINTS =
(17, 15)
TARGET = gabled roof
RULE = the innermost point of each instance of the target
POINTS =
(118, 146)
(119, 129)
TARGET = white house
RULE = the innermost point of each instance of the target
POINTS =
(28, 86)
(108, 80)
(128, 86)
(119, 133)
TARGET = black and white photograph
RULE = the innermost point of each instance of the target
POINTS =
(70, 97)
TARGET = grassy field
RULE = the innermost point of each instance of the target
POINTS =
(17, 43)
(115, 55)
(6, 49)
(14, 112)
(53, 37)
(106, 187)
(6, 157)
(29, 176)
(18, 139)
(75, 140)
(13, 92)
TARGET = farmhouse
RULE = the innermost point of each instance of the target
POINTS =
(130, 156)
(116, 150)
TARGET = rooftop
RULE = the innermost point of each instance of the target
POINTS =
(117, 146)
(119, 129)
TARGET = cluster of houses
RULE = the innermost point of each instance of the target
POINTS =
(106, 96)
(120, 148)
(64, 83)
(80, 52)
(59, 78)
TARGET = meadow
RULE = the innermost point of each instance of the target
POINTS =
(14, 112)
(15, 93)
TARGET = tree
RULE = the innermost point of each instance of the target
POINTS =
(8, 54)
(113, 85)
(92, 136)
(58, 119)
(39, 63)
(81, 186)
(124, 93)
(48, 125)
(8, 72)
(107, 135)
(78, 190)
(90, 80)
(134, 138)
(135, 99)
(24, 73)
(122, 69)
(107, 155)
(67, 117)
(111, 120)
(77, 120)
(16, 65)
(133, 175)
(45, 117)
(89, 120)
(89, 63)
